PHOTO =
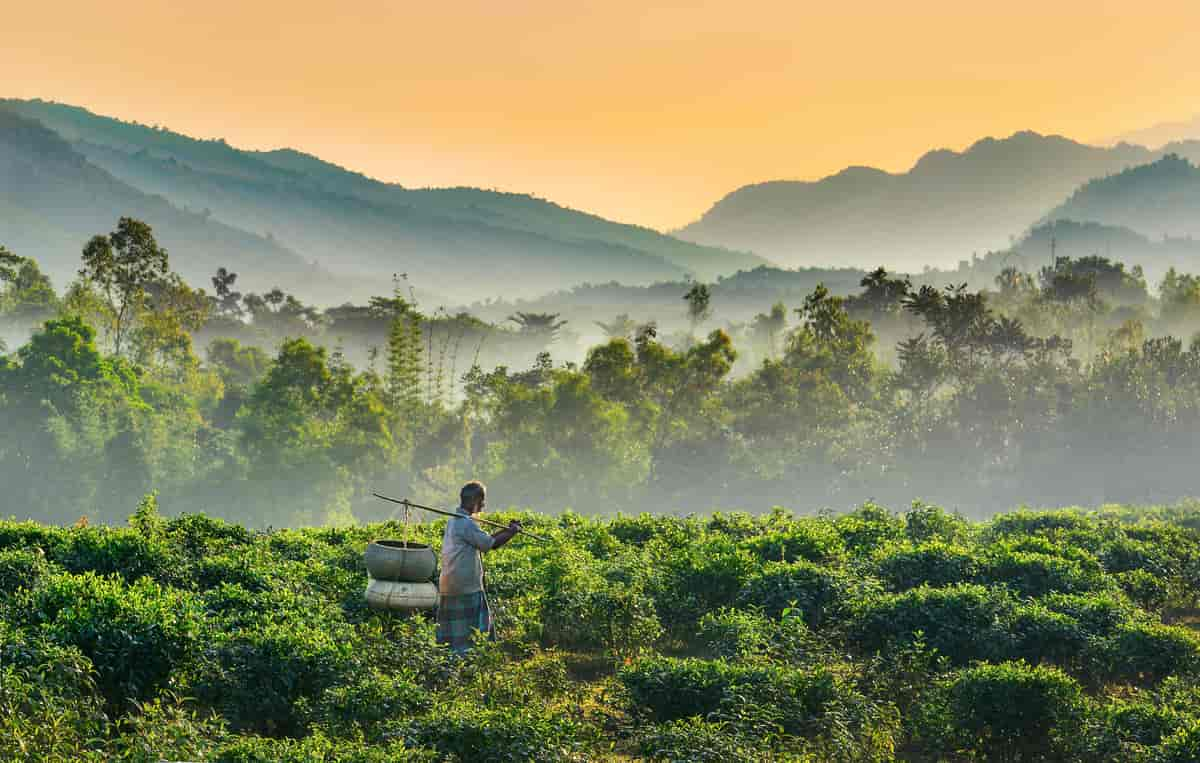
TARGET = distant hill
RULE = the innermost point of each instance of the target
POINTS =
(1075, 239)
(52, 200)
(1162, 134)
(459, 242)
(1160, 199)
(947, 206)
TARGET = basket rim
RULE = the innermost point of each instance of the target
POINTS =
(400, 545)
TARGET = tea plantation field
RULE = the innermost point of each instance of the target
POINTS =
(871, 636)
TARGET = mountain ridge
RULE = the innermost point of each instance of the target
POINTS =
(1157, 199)
(362, 227)
(946, 206)
(56, 200)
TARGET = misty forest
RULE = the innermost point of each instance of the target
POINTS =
(800, 467)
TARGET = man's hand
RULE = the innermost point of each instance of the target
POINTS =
(507, 534)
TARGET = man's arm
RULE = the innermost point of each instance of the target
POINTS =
(505, 535)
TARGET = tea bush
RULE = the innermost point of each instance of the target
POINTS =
(109, 551)
(135, 635)
(368, 705)
(1006, 712)
(318, 747)
(963, 622)
(924, 523)
(1032, 574)
(257, 677)
(734, 633)
(871, 636)
(819, 593)
(583, 610)
(776, 705)
(933, 563)
(694, 740)
(49, 706)
(490, 736)
(1146, 653)
(21, 568)
(811, 541)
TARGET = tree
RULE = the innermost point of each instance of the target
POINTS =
(1013, 283)
(768, 327)
(960, 319)
(923, 366)
(280, 314)
(27, 297)
(122, 265)
(1180, 294)
(64, 407)
(698, 300)
(830, 341)
(228, 303)
(620, 327)
(9, 263)
(544, 326)
(881, 296)
(404, 356)
(311, 429)
(173, 312)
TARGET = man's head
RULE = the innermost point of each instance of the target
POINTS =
(472, 496)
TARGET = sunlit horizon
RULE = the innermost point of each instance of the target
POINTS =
(646, 116)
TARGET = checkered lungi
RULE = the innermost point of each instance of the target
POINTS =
(459, 616)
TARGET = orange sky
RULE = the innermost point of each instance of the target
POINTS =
(642, 115)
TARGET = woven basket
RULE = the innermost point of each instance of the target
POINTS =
(400, 561)
(401, 597)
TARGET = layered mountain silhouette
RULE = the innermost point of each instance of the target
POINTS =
(1067, 238)
(946, 207)
(1162, 134)
(52, 200)
(460, 242)
(1158, 200)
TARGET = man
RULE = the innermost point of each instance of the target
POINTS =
(462, 604)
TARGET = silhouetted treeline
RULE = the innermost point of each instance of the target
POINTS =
(1069, 385)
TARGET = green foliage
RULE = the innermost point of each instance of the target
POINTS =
(22, 569)
(868, 528)
(1147, 652)
(1031, 574)
(759, 700)
(935, 564)
(465, 733)
(40, 722)
(318, 747)
(667, 689)
(923, 523)
(1015, 643)
(137, 635)
(122, 266)
(732, 633)
(693, 739)
(1005, 712)
(818, 593)
(369, 705)
(586, 611)
(809, 540)
(108, 551)
(258, 677)
(962, 622)
(166, 728)
(698, 578)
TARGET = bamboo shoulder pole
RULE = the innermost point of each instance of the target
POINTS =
(407, 503)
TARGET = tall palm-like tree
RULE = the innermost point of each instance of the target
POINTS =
(541, 326)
